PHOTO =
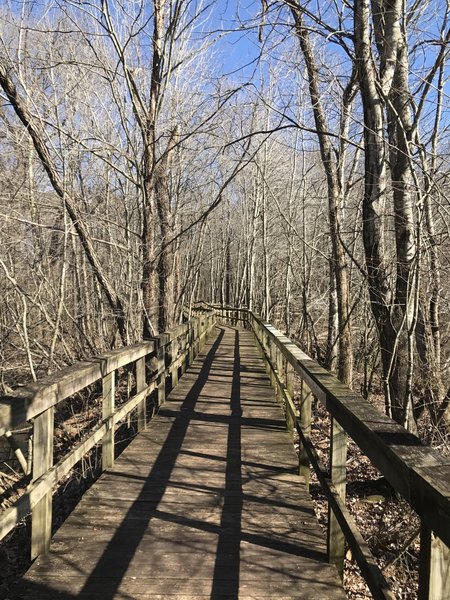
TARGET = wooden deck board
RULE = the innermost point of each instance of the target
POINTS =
(206, 503)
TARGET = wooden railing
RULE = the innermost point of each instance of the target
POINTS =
(171, 353)
(417, 472)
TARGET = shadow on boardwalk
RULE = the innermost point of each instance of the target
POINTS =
(158, 478)
(204, 505)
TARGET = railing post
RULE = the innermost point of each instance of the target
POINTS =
(202, 329)
(196, 337)
(41, 516)
(305, 425)
(290, 379)
(338, 465)
(209, 326)
(161, 367)
(260, 335)
(174, 371)
(289, 386)
(270, 355)
(108, 405)
(266, 348)
(185, 348)
(141, 385)
(271, 361)
(195, 340)
(434, 566)
(279, 368)
(191, 338)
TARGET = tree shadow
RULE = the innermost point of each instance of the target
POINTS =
(157, 480)
(228, 545)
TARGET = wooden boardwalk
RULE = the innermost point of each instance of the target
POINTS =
(204, 504)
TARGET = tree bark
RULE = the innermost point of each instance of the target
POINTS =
(386, 92)
(339, 263)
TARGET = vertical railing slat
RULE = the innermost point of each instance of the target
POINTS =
(141, 385)
(338, 465)
(161, 366)
(434, 566)
(41, 516)
(108, 407)
(305, 425)
(175, 348)
(279, 368)
(289, 370)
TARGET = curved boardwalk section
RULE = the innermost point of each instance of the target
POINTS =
(205, 503)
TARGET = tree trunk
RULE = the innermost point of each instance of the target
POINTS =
(393, 312)
(339, 263)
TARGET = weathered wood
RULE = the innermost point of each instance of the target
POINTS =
(108, 407)
(305, 424)
(45, 480)
(282, 394)
(289, 379)
(369, 568)
(400, 456)
(434, 567)
(45, 484)
(205, 503)
(439, 570)
(184, 351)
(416, 472)
(338, 465)
(190, 345)
(175, 349)
(34, 399)
(41, 528)
(140, 386)
(161, 357)
(424, 561)
(279, 373)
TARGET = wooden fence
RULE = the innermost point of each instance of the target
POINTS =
(171, 353)
(416, 471)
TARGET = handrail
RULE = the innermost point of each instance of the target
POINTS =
(416, 471)
(172, 351)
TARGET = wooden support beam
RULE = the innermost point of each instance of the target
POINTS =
(290, 383)
(190, 345)
(279, 368)
(439, 570)
(108, 407)
(41, 515)
(338, 465)
(32, 400)
(175, 348)
(185, 350)
(434, 566)
(161, 358)
(305, 424)
(141, 384)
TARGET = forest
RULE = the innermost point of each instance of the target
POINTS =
(285, 156)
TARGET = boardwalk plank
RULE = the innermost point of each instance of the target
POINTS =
(206, 503)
